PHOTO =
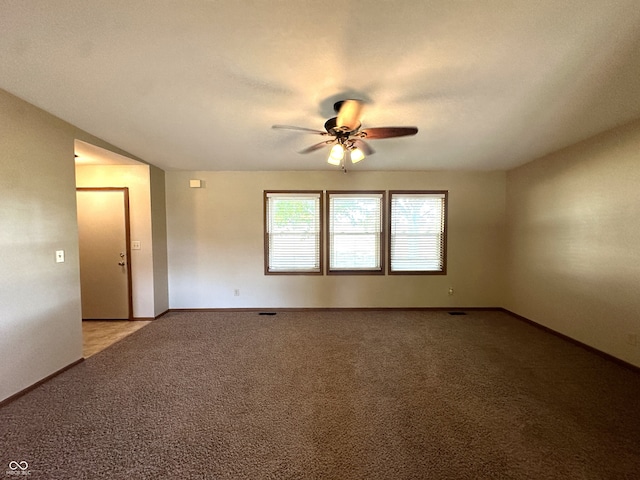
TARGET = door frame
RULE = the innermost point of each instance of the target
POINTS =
(127, 234)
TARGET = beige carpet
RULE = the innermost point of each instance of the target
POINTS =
(332, 395)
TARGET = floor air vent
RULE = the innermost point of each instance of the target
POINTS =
(267, 313)
(457, 313)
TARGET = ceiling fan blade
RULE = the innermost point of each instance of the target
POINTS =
(317, 146)
(388, 132)
(364, 146)
(302, 129)
(349, 114)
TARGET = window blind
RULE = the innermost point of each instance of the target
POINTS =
(417, 237)
(355, 231)
(293, 232)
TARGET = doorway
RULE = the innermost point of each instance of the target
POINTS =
(104, 241)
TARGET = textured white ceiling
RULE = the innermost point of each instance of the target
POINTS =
(197, 84)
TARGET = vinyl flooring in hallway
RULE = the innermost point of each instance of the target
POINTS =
(100, 334)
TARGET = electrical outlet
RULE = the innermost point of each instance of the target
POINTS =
(236, 292)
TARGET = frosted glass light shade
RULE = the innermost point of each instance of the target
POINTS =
(337, 154)
(356, 155)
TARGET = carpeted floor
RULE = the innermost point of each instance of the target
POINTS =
(332, 395)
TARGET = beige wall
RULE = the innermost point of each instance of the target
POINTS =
(159, 239)
(215, 243)
(40, 315)
(137, 179)
(573, 233)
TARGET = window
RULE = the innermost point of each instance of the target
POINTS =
(293, 232)
(355, 232)
(418, 235)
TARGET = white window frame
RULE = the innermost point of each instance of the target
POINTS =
(418, 247)
(285, 247)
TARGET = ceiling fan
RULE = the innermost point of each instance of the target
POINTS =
(347, 135)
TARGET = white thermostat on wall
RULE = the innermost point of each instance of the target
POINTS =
(195, 183)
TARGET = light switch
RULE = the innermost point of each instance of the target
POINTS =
(59, 256)
(135, 245)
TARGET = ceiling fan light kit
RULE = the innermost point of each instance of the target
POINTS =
(345, 128)
(338, 151)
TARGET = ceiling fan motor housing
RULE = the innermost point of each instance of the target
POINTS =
(332, 128)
